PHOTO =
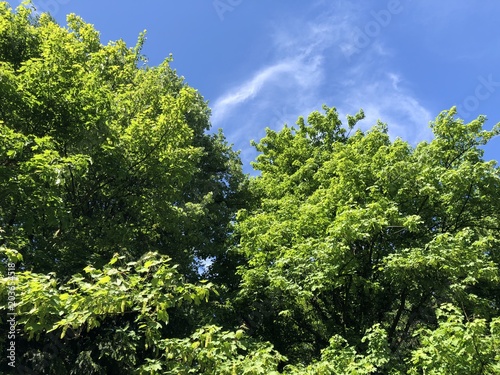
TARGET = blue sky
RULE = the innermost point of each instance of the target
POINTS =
(263, 63)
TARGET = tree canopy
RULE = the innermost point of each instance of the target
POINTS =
(363, 234)
(105, 153)
(131, 242)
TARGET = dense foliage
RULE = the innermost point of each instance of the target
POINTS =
(105, 153)
(360, 235)
(132, 242)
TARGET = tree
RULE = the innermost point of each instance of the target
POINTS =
(101, 154)
(115, 320)
(355, 232)
(457, 346)
(104, 153)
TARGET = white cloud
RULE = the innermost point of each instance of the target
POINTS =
(383, 97)
(297, 71)
(247, 90)
(313, 64)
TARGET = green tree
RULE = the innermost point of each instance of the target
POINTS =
(350, 232)
(101, 153)
(115, 320)
(458, 346)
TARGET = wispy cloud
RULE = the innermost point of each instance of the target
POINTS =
(310, 67)
(291, 79)
(250, 88)
(296, 69)
(384, 95)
